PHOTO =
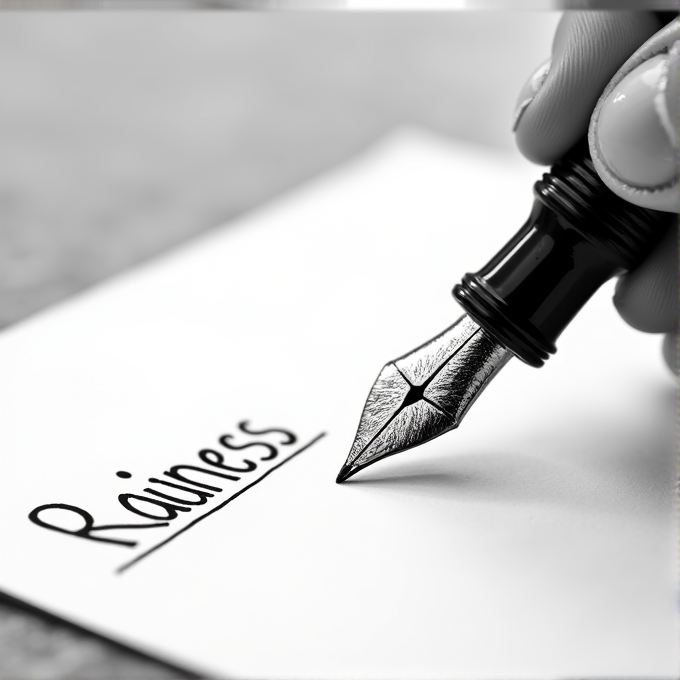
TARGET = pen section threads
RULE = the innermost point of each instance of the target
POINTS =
(574, 190)
(578, 235)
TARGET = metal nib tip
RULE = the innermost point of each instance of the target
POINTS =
(425, 393)
(345, 472)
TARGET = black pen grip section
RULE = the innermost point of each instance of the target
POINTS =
(578, 236)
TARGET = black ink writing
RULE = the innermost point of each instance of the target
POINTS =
(88, 528)
(165, 504)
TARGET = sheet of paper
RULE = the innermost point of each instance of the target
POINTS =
(537, 541)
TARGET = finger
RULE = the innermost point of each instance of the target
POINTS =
(633, 131)
(588, 49)
(670, 352)
(647, 297)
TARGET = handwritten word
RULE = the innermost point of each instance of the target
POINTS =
(166, 498)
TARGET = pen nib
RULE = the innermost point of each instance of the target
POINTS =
(345, 472)
(424, 393)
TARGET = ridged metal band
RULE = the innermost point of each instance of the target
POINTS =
(491, 312)
(574, 190)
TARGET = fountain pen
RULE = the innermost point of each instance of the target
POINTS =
(579, 234)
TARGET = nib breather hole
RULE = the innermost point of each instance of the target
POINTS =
(414, 395)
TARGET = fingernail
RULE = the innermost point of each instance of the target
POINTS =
(635, 134)
(529, 91)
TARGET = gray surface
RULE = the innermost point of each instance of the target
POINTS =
(124, 134)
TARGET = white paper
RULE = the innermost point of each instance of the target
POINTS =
(536, 541)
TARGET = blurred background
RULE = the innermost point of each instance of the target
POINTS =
(124, 134)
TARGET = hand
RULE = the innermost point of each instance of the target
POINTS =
(633, 143)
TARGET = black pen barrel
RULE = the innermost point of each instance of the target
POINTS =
(579, 235)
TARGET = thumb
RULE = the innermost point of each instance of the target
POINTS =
(634, 128)
(555, 105)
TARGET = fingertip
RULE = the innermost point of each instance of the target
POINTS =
(646, 298)
(632, 136)
(588, 49)
(529, 90)
(669, 350)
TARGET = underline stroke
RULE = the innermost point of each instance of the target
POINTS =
(146, 553)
